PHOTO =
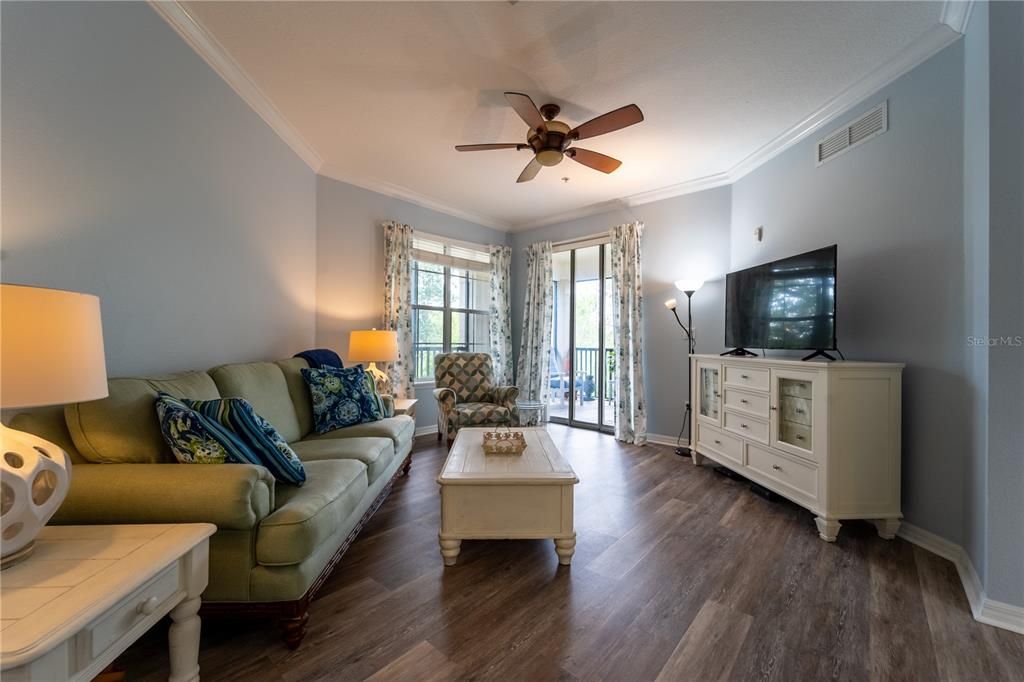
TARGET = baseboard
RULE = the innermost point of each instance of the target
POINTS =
(984, 610)
(661, 439)
(426, 430)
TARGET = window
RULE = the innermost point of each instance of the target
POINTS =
(450, 296)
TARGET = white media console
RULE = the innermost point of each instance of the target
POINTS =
(825, 435)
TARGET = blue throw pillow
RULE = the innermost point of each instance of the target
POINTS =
(193, 438)
(267, 446)
(341, 397)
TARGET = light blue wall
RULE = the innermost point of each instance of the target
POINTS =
(350, 262)
(132, 171)
(894, 207)
(683, 236)
(1005, 574)
(976, 273)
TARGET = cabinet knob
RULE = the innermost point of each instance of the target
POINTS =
(774, 408)
(799, 437)
(744, 376)
(147, 607)
(743, 400)
(743, 426)
(776, 467)
(718, 442)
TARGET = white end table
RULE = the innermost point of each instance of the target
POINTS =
(406, 406)
(87, 592)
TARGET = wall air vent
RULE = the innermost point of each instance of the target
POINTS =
(858, 131)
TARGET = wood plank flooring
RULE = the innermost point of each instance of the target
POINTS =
(679, 574)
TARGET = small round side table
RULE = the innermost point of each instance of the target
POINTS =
(531, 412)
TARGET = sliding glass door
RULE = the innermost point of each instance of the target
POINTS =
(582, 364)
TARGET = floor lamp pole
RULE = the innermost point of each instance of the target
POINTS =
(691, 347)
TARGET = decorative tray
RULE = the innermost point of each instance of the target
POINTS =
(504, 442)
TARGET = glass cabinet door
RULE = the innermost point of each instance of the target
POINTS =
(709, 392)
(794, 412)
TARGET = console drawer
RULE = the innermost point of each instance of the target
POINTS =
(746, 426)
(800, 477)
(747, 377)
(741, 401)
(710, 438)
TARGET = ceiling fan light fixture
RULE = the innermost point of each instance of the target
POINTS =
(549, 157)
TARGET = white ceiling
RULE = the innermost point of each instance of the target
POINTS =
(383, 91)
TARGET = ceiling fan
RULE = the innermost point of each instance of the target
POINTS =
(551, 140)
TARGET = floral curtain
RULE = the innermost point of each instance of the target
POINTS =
(500, 316)
(398, 303)
(627, 325)
(533, 375)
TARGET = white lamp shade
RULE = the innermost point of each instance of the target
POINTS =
(670, 304)
(372, 345)
(689, 284)
(51, 347)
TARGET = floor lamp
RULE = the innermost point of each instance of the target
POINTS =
(688, 287)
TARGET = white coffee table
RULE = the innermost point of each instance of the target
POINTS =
(506, 497)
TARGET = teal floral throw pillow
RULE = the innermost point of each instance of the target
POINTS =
(193, 438)
(341, 397)
(267, 447)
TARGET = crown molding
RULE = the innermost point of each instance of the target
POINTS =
(405, 194)
(221, 61)
(956, 14)
(638, 199)
(925, 46)
(953, 22)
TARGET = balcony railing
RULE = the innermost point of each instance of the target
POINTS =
(588, 371)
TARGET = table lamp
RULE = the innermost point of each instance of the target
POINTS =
(51, 353)
(373, 346)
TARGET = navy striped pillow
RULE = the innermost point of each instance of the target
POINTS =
(268, 446)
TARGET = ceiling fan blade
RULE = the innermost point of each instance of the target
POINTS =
(595, 160)
(607, 123)
(488, 147)
(531, 170)
(527, 111)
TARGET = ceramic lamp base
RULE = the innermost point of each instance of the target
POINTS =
(17, 556)
(380, 380)
(35, 476)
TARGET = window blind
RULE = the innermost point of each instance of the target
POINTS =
(440, 251)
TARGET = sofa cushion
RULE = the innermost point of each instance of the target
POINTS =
(400, 429)
(341, 397)
(479, 414)
(123, 427)
(305, 517)
(196, 439)
(299, 391)
(262, 384)
(265, 445)
(375, 453)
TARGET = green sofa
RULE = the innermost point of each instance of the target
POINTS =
(275, 543)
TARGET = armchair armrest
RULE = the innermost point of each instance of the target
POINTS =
(506, 396)
(233, 496)
(445, 399)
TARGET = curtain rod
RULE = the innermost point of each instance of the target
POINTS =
(585, 238)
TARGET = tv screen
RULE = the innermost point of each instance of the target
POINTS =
(790, 303)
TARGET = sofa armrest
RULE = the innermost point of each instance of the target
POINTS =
(506, 396)
(232, 496)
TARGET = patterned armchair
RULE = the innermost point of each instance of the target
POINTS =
(466, 394)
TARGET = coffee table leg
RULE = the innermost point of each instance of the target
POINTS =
(449, 550)
(565, 548)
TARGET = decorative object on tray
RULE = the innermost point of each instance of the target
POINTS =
(504, 442)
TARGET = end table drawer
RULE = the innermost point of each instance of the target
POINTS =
(710, 438)
(144, 602)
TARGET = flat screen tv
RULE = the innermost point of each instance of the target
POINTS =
(788, 303)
